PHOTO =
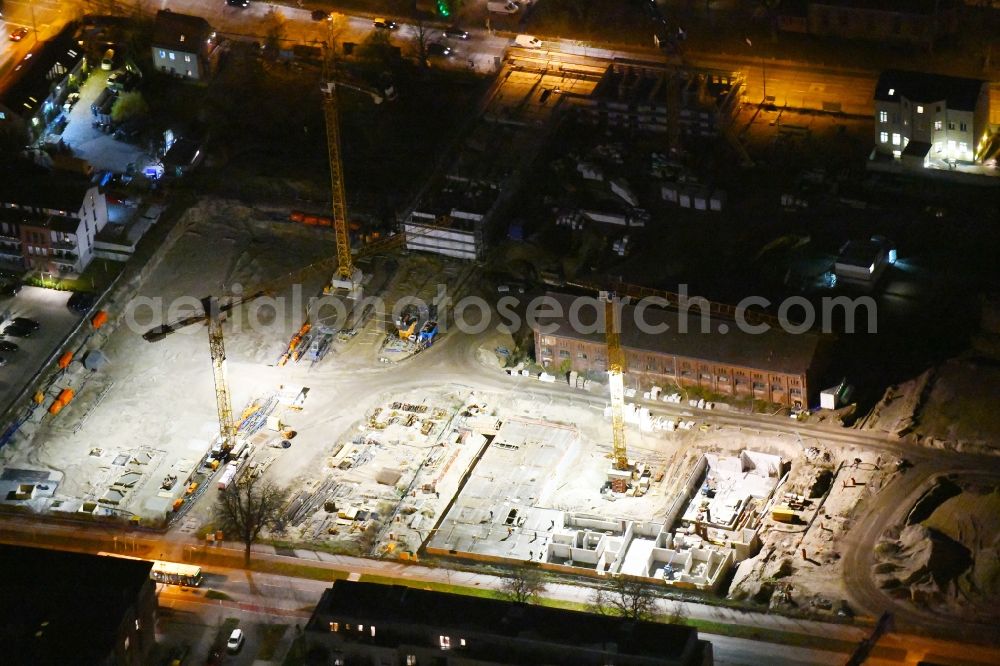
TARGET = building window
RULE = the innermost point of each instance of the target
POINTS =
(563, 353)
(920, 109)
(461, 642)
(127, 643)
(883, 116)
(707, 376)
(163, 54)
(581, 355)
(883, 137)
(445, 642)
(939, 108)
(190, 73)
(896, 139)
(758, 386)
(962, 127)
(411, 660)
(172, 55)
(372, 630)
(187, 58)
(937, 125)
(951, 126)
(137, 625)
(334, 626)
(963, 148)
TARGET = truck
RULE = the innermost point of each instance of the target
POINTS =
(99, 103)
(406, 325)
(503, 7)
(228, 475)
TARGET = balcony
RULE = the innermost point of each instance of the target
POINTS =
(64, 245)
(7, 238)
(64, 259)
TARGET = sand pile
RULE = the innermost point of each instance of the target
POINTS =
(948, 555)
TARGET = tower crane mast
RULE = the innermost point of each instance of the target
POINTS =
(345, 265)
(616, 381)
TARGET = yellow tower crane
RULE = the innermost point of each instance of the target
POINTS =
(347, 276)
(616, 381)
(217, 347)
(213, 314)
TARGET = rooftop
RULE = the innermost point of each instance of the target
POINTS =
(961, 94)
(720, 342)
(48, 63)
(860, 253)
(65, 608)
(376, 603)
(25, 218)
(37, 188)
(181, 32)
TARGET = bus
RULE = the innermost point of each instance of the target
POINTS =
(176, 574)
(170, 573)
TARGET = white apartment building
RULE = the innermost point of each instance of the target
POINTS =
(182, 45)
(922, 117)
(48, 223)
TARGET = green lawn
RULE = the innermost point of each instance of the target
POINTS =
(271, 635)
(96, 278)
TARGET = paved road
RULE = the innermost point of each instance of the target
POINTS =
(286, 599)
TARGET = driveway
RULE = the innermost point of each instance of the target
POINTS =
(48, 308)
(90, 143)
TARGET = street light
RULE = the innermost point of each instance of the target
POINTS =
(763, 69)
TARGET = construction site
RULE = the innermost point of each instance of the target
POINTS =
(247, 348)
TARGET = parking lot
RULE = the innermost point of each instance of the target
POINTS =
(47, 307)
(102, 150)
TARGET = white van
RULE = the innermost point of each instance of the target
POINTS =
(108, 61)
(528, 42)
(503, 7)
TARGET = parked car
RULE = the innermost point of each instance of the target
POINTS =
(122, 80)
(528, 42)
(238, 3)
(8, 347)
(81, 301)
(15, 331)
(384, 24)
(235, 642)
(3, 361)
(71, 100)
(438, 49)
(11, 287)
(108, 61)
(320, 15)
(454, 32)
(26, 323)
(18, 34)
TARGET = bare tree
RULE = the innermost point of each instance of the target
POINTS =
(276, 24)
(523, 585)
(423, 36)
(625, 597)
(247, 506)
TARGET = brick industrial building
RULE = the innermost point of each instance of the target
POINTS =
(774, 366)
